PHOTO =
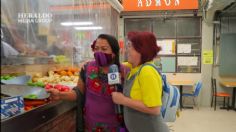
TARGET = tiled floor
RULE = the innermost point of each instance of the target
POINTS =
(205, 120)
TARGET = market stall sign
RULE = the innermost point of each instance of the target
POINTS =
(145, 5)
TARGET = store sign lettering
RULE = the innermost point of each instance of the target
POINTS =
(157, 2)
(142, 5)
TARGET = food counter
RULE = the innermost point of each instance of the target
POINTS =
(51, 117)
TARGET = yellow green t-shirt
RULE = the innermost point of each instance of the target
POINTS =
(147, 85)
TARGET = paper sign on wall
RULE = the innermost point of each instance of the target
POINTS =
(184, 48)
(208, 57)
(167, 47)
(187, 61)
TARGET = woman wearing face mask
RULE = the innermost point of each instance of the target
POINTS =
(99, 109)
(142, 92)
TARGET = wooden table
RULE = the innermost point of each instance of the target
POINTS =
(181, 83)
(231, 85)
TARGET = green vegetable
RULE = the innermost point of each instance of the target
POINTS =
(30, 83)
(40, 84)
(7, 77)
(36, 84)
(31, 96)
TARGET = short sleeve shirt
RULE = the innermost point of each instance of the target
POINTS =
(147, 86)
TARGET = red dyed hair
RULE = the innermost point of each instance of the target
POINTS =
(145, 44)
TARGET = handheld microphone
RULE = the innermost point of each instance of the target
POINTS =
(113, 75)
(114, 79)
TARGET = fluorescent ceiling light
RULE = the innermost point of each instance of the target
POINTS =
(76, 23)
(89, 28)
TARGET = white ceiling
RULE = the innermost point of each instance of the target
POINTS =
(215, 5)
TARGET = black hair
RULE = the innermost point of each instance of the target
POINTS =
(113, 42)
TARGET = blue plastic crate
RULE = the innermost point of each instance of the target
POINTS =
(11, 106)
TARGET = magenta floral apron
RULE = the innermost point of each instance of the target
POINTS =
(99, 112)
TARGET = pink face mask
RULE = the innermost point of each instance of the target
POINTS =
(103, 59)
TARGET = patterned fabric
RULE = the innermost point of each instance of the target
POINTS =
(97, 81)
(99, 111)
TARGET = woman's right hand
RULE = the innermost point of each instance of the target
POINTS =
(54, 94)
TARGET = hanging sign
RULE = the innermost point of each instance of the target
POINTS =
(208, 57)
(145, 5)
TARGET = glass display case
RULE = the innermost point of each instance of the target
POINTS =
(47, 29)
(39, 37)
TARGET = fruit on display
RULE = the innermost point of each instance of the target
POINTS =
(28, 108)
(48, 86)
(66, 71)
(66, 76)
(59, 87)
(60, 59)
(35, 103)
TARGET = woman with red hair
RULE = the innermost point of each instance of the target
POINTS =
(142, 92)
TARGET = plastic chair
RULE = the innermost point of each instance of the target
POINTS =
(216, 94)
(195, 94)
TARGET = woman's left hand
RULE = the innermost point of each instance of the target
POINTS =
(118, 98)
